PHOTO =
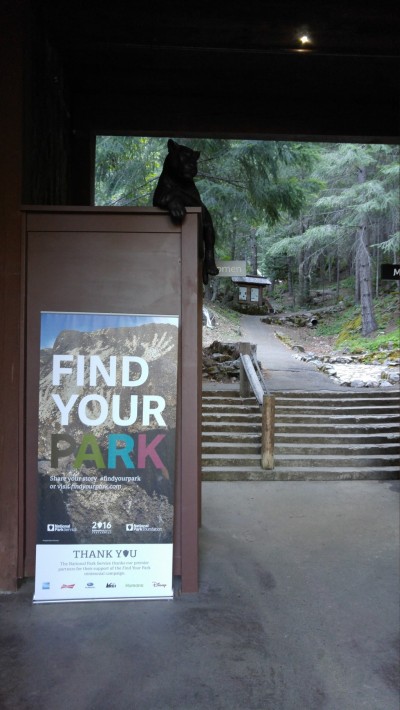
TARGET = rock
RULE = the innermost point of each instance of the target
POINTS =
(392, 377)
(357, 383)
(221, 362)
(221, 357)
(317, 363)
(329, 369)
(384, 383)
(308, 357)
(298, 348)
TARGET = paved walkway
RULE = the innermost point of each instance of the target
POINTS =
(297, 610)
(283, 370)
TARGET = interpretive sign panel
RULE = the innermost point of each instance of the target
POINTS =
(106, 456)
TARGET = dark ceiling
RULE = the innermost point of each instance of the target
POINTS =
(236, 67)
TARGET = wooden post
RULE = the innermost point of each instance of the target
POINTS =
(11, 490)
(245, 389)
(268, 432)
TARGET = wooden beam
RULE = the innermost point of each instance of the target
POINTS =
(268, 432)
(11, 61)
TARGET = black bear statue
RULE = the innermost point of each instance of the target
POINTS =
(176, 190)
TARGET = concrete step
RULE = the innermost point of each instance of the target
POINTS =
(236, 449)
(342, 438)
(319, 436)
(239, 473)
(338, 449)
(345, 473)
(334, 418)
(343, 409)
(229, 408)
(335, 397)
(385, 395)
(232, 460)
(227, 401)
(250, 417)
(232, 427)
(223, 391)
(227, 436)
(339, 460)
(335, 428)
(296, 460)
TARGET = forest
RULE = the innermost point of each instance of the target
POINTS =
(306, 215)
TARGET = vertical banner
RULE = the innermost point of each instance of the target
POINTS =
(106, 456)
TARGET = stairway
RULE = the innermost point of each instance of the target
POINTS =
(231, 438)
(318, 436)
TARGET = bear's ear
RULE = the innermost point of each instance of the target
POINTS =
(171, 145)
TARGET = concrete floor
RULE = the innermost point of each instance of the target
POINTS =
(297, 610)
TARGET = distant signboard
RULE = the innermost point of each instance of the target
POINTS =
(228, 269)
(390, 272)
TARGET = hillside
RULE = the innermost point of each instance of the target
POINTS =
(337, 328)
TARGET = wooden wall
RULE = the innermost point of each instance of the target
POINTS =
(11, 62)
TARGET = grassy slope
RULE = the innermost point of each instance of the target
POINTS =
(346, 326)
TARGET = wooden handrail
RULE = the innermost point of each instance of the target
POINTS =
(251, 374)
(251, 380)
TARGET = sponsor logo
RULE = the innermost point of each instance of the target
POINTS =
(45, 585)
(90, 585)
(101, 527)
(158, 584)
(57, 527)
(110, 584)
(67, 586)
(132, 527)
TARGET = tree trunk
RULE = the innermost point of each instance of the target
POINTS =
(363, 262)
(233, 242)
(356, 280)
(291, 288)
(253, 252)
(378, 266)
(304, 282)
(369, 323)
(337, 274)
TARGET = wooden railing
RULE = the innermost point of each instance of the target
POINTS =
(252, 381)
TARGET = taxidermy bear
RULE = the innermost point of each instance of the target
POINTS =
(176, 190)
